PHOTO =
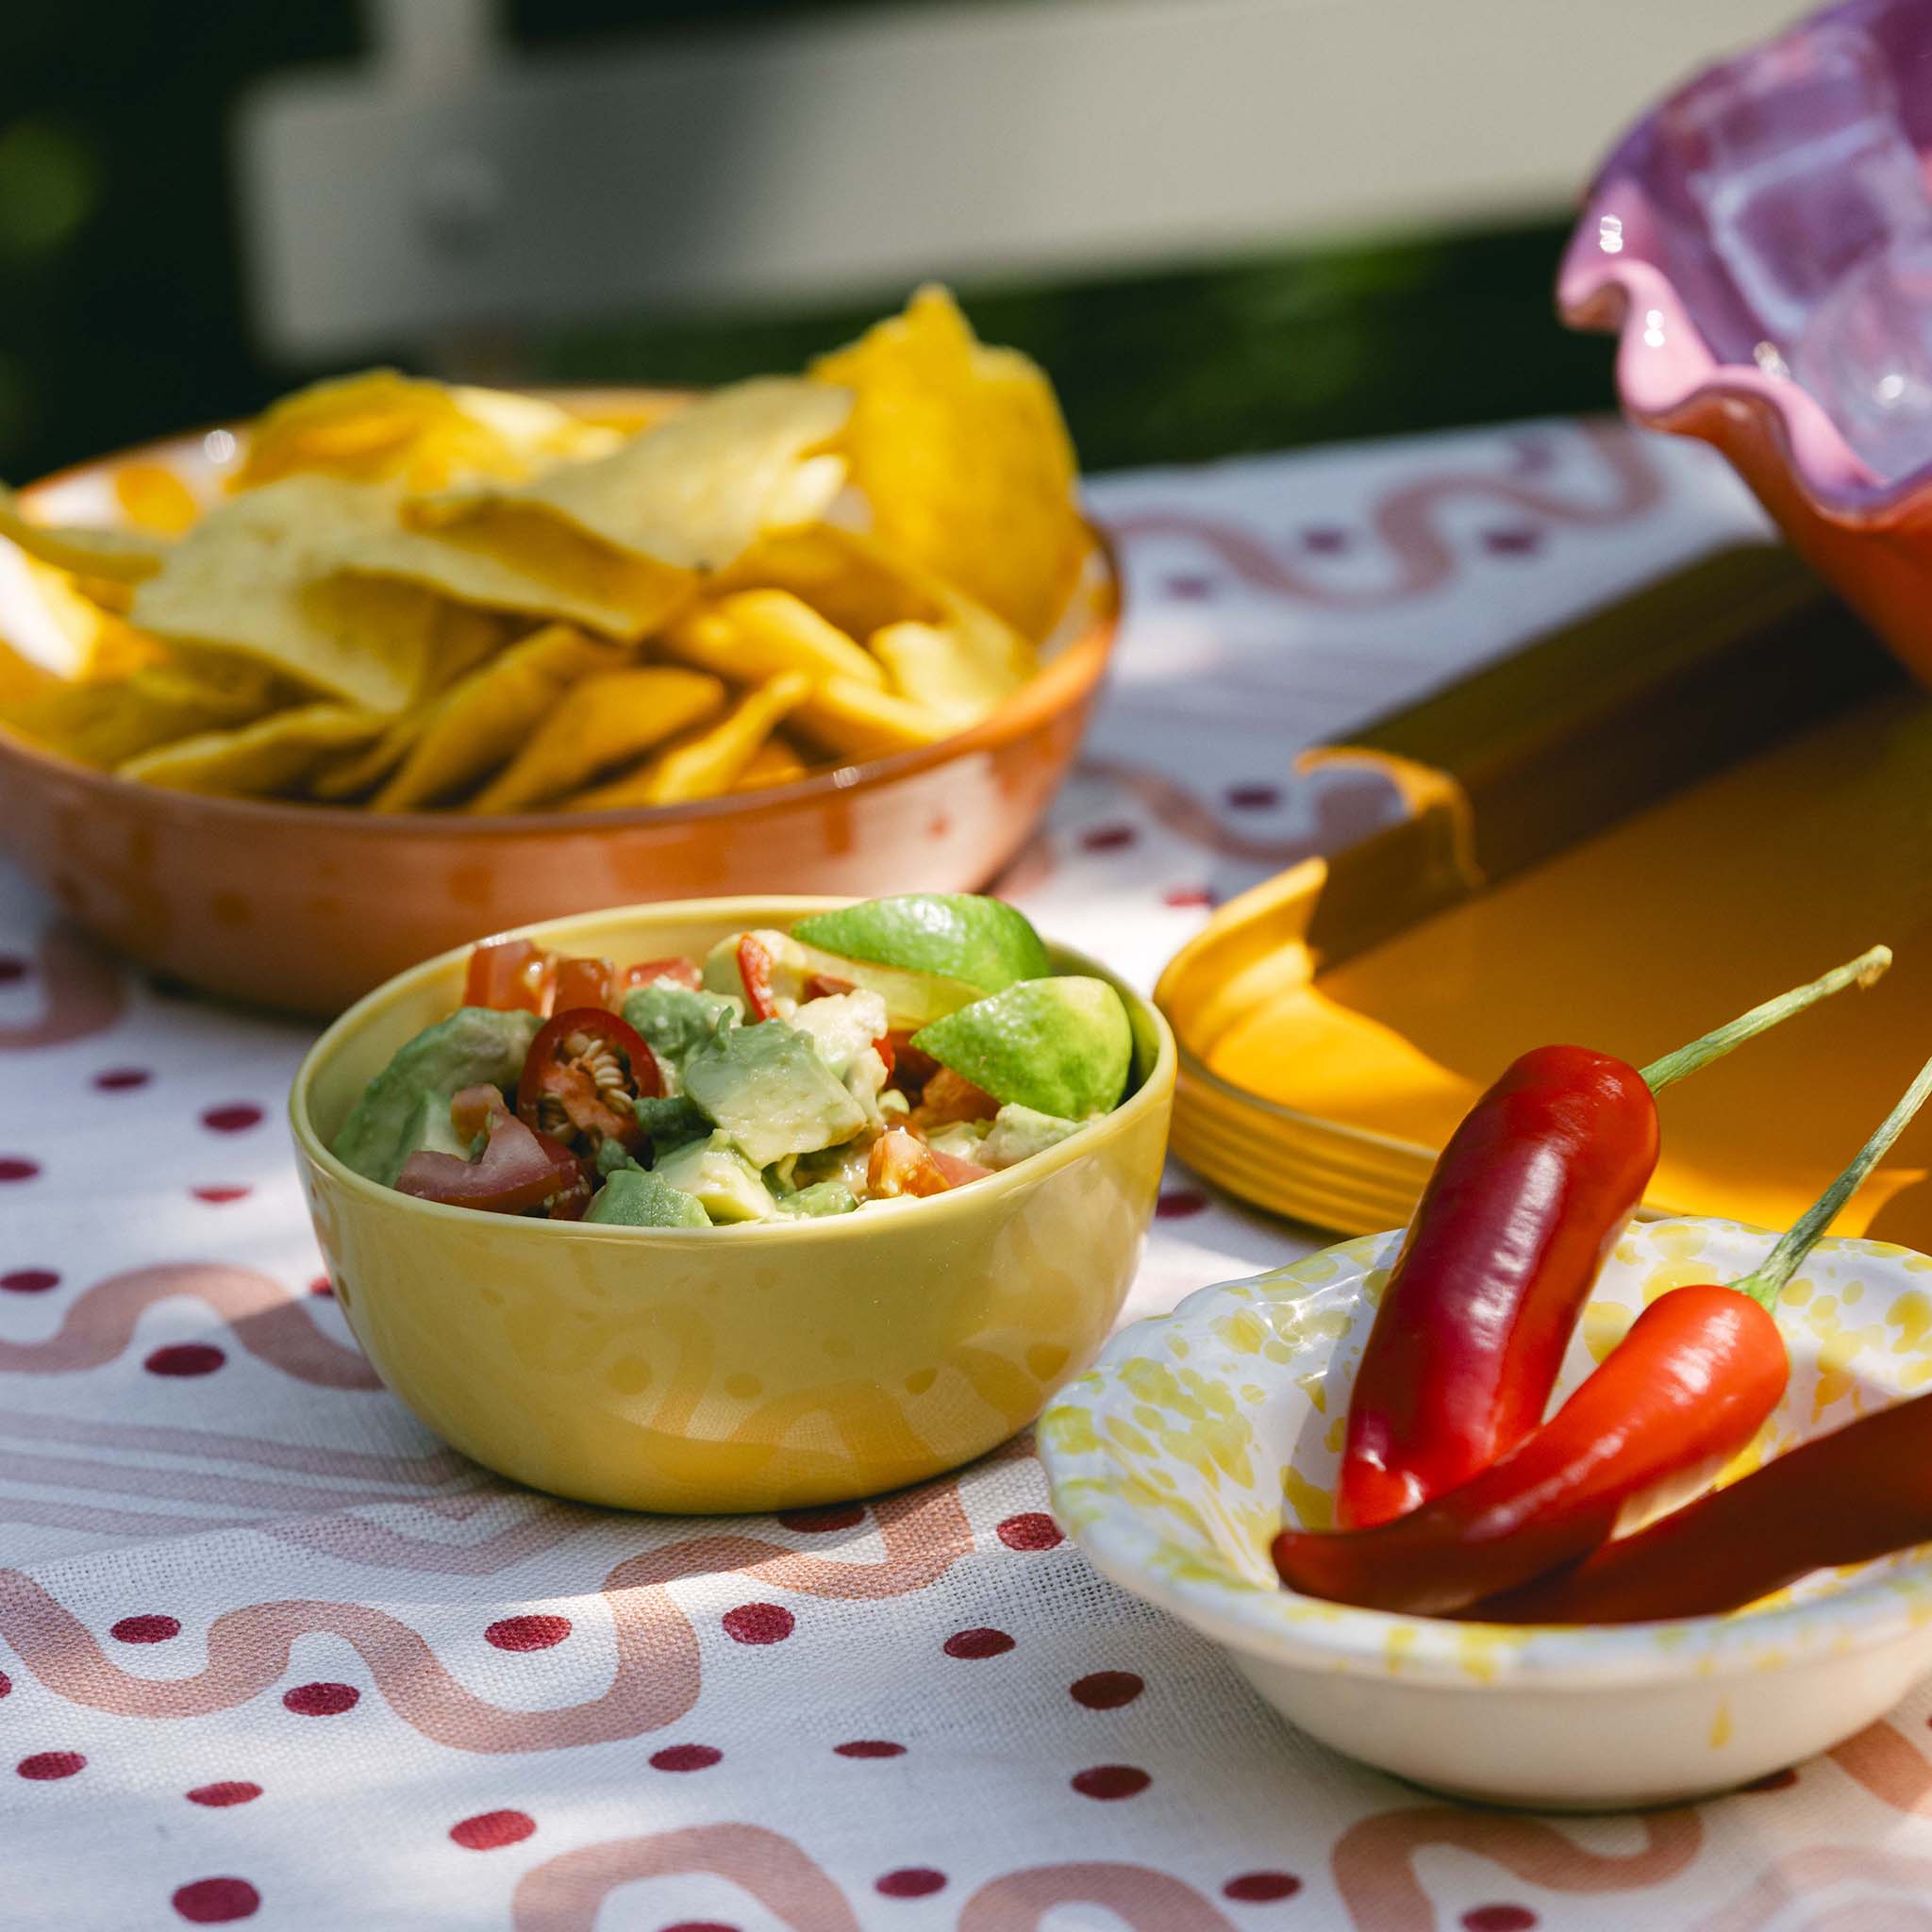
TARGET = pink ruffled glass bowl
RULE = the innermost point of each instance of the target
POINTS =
(1698, 356)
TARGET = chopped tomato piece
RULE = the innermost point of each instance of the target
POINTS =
(754, 970)
(887, 1052)
(686, 972)
(822, 986)
(901, 1164)
(950, 1096)
(910, 1068)
(509, 975)
(517, 1172)
(581, 1075)
(584, 982)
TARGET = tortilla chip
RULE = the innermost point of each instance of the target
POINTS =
(80, 639)
(855, 721)
(104, 722)
(753, 635)
(23, 678)
(849, 579)
(384, 427)
(509, 558)
(940, 668)
(120, 555)
(480, 722)
(775, 762)
(271, 755)
(708, 763)
(153, 498)
(260, 574)
(964, 458)
(693, 490)
(604, 721)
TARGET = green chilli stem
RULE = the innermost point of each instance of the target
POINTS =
(1863, 970)
(1767, 1282)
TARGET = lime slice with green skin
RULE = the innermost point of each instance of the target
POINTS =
(1060, 1046)
(958, 934)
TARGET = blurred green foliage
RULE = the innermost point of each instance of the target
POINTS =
(122, 296)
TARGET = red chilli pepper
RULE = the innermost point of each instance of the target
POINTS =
(511, 975)
(580, 1077)
(1532, 1190)
(517, 1169)
(754, 970)
(1683, 1392)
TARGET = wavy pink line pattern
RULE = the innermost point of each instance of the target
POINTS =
(265, 1319)
(1374, 1860)
(1406, 520)
(658, 1669)
(1141, 1899)
(1889, 1766)
(82, 993)
(565, 1894)
(1819, 1867)
(381, 1547)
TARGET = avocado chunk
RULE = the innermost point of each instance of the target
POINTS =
(397, 1113)
(669, 1120)
(985, 942)
(820, 1199)
(767, 1088)
(1018, 1133)
(676, 1021)
(633, 1198)
(724, 1183)
(843, 1025)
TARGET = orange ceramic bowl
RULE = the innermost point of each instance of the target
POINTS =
(305, 907)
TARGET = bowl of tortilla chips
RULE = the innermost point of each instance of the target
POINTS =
(288, 706)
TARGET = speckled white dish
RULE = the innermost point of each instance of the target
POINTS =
(1177, 1457)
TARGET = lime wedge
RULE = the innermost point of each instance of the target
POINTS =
(983, 942)
(1059, 1046)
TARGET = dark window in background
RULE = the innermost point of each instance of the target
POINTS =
(121, 298)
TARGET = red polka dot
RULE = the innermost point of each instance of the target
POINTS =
(700, 1925)
(217, 1901)
(122, 1079)
(323, 1286)
(184, 1358)
(5, 1683)
(237, 1117)
(821, 1522)
(1188, 895)
(218, 1797)
(870, 1747)
(1109, 838)
(17, 1167)
(1180, 1203)
(1772, 1781)
(534, 1632)
(45, 1765)
(979, 1643)
(1498, 1919)
(321, 1700)
(1327, 539)
(150, 1628)
(1261, 1888)
(685, 1757)
(1254, 798)
(13, 968)
(29, 1280)
(1189, 586)
(1034, 1530)
(491, 1830)
(1111, 1781)
(1106, 1690)
(758, 1623)
(1515, 541)
(910, 1881)
(219, 1197)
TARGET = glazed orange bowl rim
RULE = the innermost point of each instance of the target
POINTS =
(1072, 666)
(1151, 1093)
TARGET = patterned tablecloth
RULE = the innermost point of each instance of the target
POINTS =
(273, 1655)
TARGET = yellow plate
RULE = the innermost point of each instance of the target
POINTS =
(760, 1367)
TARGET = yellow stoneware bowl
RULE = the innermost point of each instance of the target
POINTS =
(757, 1367)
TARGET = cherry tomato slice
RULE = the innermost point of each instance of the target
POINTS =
(754, 970)
(821, 985)
(510, 974)
(910, 1068)
(901, 1164)
(685, 973)
(517, 1171)
(887, 1052)
(950, 1096)
(583, 1071)
(584, 982)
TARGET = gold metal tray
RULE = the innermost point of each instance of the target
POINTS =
(1620, 835)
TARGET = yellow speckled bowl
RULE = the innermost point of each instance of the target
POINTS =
(759, 1367)
(1198, 1433)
